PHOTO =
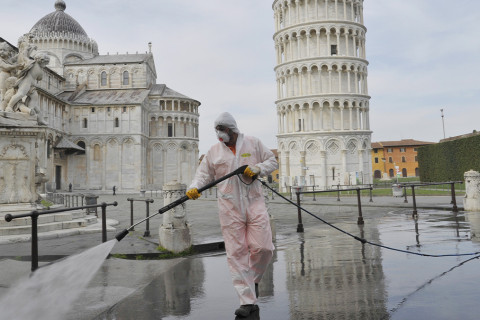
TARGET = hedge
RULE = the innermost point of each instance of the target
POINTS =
(448, 161)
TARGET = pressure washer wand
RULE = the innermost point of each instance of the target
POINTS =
(181, 200)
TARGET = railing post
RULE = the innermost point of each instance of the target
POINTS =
(359, 201)
(414, 202)
(371, 188)
(314, 194)
(338, 192)
(300, 224)
(454, 200)
(131, 213)
(147, 230)
(405, 194)
(104, 222)
(290, 192)
(34, 221)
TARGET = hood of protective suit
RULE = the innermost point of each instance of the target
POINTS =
(226, 119)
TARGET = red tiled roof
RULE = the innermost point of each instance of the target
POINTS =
(402, 143)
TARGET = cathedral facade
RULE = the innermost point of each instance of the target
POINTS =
(324, 136)
(103, 121)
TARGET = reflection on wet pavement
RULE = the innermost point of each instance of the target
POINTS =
(323, 274)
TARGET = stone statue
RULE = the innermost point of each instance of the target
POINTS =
(7, 67)
(27, 77)
(18, 75)
(25, 51)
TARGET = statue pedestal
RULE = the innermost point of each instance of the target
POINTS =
(20, 151)
(174, 233)
(471, 201)
(175, 240)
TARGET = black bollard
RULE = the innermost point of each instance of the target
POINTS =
(414, 214)
(131, 213)
(104, 222)
(454, 200)
(34, 218)
(300, 224)
(147, 230)
(359, 201)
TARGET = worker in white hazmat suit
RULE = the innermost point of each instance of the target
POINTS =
(242, 210)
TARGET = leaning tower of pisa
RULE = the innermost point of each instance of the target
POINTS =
(322, 94)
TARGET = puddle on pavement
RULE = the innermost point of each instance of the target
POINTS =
(323, 274)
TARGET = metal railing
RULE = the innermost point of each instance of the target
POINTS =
(147, 203)
(413, 185)
(359, 203)
(34, 217)
(338, 188)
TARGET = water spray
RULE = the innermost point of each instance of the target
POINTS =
(181, 200)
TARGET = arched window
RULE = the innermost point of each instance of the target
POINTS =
(416, 172)
(97, 155)
(117, 123)
(85, 122)
(126, 79)
(390, 173)
(103, 78)
(377, 174)
(403, 159)
(404, 172)
(49, 148)
(81, 144)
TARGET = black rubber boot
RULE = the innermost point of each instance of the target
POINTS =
(245, 310)
(256, 290)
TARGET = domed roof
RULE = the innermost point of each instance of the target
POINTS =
(58, 21)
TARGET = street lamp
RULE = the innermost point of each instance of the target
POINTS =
(443, 124)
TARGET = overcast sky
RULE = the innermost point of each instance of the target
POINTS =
(423, 57)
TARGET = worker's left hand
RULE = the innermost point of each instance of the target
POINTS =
(252, 171)
(193, 194)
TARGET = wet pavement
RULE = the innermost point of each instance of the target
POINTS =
(318, 274)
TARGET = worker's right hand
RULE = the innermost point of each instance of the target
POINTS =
(193, 194)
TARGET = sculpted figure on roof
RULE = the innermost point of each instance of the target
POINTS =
(18, 74)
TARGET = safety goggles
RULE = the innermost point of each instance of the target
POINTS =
(221, 128)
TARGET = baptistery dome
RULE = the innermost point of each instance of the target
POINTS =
(58, 21)
(62, 38)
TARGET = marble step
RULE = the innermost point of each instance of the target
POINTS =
(48, 226)
(47, 218)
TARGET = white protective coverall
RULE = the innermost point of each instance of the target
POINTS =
(242, 210)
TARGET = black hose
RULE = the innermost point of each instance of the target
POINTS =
(368, 242)
(119, 236)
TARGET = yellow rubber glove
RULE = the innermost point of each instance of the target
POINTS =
(193, 194)
(252, 171)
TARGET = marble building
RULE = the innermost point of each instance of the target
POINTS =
(101, 120)
(322, 101)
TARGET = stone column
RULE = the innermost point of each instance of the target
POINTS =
(471, 201)
(174, 232)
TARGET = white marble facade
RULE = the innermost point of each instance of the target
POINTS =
(322, 94)
(107, 122)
